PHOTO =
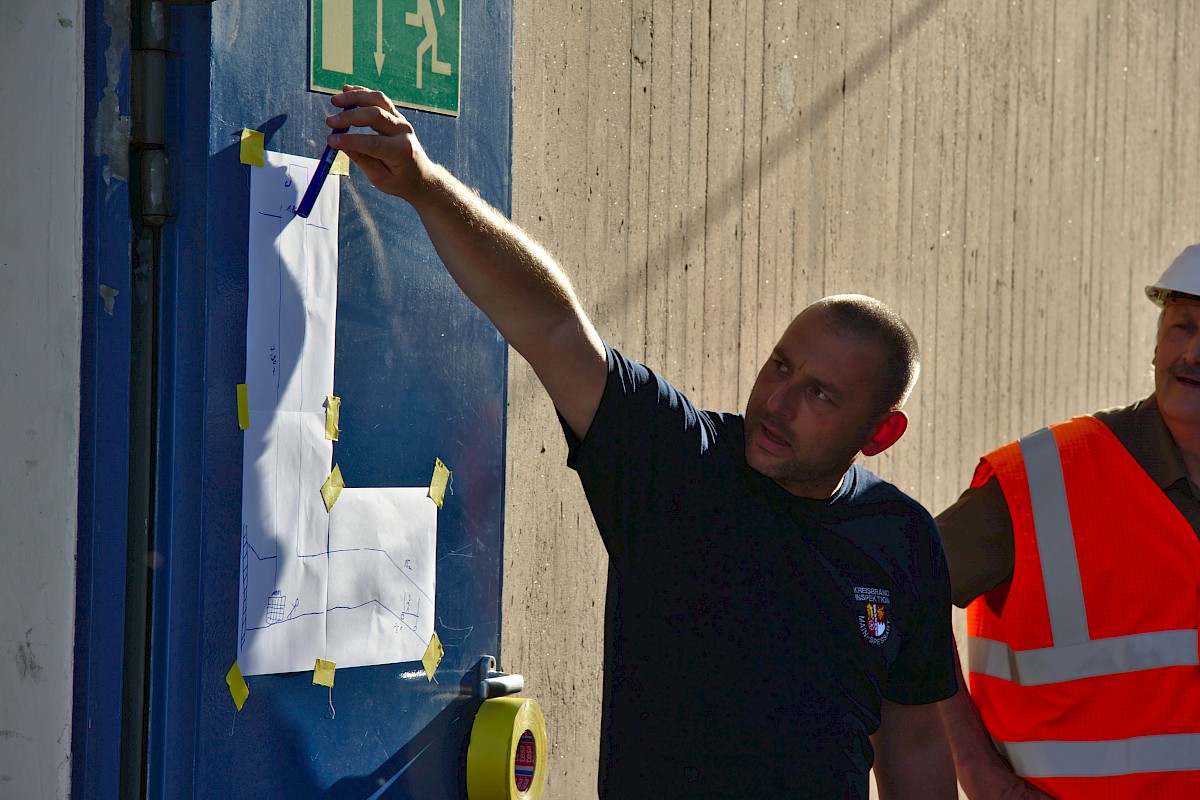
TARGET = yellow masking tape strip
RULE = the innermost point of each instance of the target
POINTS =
(243, 401)
(437, 486)
(323, 673)
(237, 685)
(332, 487)
(506, 759)
(252, 147)
(433, 656)
(340, 165)
(333, 410)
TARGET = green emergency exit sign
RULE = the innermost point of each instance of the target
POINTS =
(408, 49)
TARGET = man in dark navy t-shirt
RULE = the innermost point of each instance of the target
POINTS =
(778, 617)
(752, 635)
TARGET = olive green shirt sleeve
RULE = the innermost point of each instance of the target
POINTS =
(977, 536)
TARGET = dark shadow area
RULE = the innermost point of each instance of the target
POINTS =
(422, 768)
(272, 126)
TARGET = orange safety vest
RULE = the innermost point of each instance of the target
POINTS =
(1085, 666)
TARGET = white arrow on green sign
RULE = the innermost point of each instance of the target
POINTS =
(408, 49)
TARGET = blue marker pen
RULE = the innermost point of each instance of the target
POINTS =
(318, 179)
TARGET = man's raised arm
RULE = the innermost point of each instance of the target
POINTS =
(505, 273)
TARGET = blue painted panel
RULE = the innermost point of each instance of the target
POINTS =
(177, 615)
(422, 374)
(104, 419)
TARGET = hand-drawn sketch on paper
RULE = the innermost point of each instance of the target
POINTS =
(354, 584)
(381, 575)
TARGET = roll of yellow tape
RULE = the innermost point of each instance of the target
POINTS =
(506, 759)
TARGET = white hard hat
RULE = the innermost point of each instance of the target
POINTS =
(1182, 277)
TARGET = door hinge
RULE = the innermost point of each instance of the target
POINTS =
(148, 104)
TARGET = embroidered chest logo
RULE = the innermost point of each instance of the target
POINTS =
(874, 622)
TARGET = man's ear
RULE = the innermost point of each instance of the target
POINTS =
(891, 428)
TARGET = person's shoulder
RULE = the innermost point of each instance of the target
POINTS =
(630, 377)
(1120, 417)
(724, 422)
(621, 365)
(871, 489)
(870, 485)
(1123, 421)
(634, 374)
(634, 385)
(897, 526)
(1140, 429)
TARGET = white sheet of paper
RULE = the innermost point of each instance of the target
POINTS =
(292, 288)
(354, 586)
(381, 575)
(290, 315)
(285, 534)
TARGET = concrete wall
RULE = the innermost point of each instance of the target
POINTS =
(1008, 175)
(41, 61)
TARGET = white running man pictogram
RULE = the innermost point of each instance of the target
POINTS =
(424, 19)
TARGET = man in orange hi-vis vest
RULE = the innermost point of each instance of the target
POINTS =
(1075, 552)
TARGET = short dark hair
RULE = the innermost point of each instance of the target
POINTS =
(875, 320)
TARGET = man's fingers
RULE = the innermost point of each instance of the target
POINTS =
(384, 149)
(368, 164)
(389, 155)
(363, 97)
(380, 120)
(363, 143)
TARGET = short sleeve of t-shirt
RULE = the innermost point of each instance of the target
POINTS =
(891, 541)
(621, 474)
(924, 670)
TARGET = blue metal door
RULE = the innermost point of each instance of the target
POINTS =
(422, 374)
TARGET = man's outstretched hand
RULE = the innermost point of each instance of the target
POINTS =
(392, 157)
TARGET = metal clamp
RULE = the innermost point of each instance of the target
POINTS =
(490, 683)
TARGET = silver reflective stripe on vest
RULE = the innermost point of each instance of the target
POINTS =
(1055, 539)
(1074, 655)
(1169, 753)
(1088, 660)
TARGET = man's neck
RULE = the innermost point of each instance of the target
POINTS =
(815, 489)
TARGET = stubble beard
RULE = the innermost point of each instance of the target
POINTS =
(793, 474)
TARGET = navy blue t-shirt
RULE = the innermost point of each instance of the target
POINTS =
(750, 634)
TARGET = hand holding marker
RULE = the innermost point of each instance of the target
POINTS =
(318, 179)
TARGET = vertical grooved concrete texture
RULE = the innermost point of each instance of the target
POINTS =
(1007, 175)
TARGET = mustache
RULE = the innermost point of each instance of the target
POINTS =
(772, 420)
(1181, 370)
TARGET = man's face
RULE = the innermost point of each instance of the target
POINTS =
(812, 406)
(1177, 362)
